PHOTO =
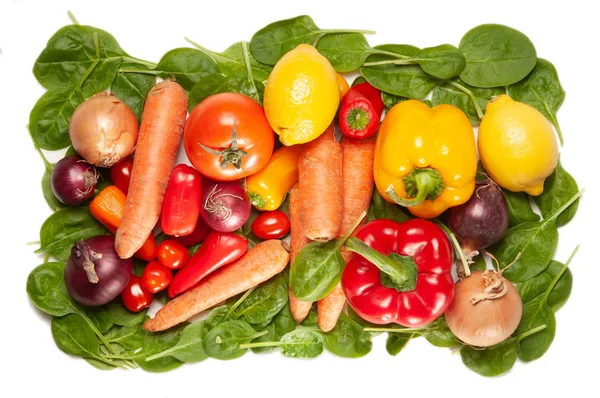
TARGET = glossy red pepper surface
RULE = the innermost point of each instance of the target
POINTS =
(432, 253)
(135, 296)
(182, 203)
(218, 249)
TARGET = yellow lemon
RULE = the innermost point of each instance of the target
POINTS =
(301, 95)
(517, 145)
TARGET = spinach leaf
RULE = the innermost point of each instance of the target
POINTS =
(274, 40)
(264, 302)
(71, 53)
(155, 342)
(358, 80)
(389, 100)
(536, 313)
(99, 318)
(301, 343)
(120, 315)
(224, 340)
(478, 264)
(132, 88)
(496, 56)
(128, 337)
(65, 227)
(346, 51)
(542, 90)
(189, 347)
(381, 208)
(99, 364)
(463, 96)
(519, 208)
(50, 116)
(217, 316)
(537, 286)
(347, 339)
(559, 187)
(53, 203)
(187, 65)
(439, 334)
(46, 288)
(402, 80)
(74, 336)
(312, 317)
(529, 247)
(443, 61)
(396, 342)
(267, 337)
(491, 361)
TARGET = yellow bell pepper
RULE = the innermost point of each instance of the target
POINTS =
(425, 159)
(267, 188)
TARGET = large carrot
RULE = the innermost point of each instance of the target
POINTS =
(320, 168)
(107, 207)
(160, 134)
(298, 240)
(357, 188)
(259, 264)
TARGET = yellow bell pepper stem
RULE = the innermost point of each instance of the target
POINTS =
(422, 184)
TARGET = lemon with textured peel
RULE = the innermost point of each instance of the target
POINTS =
(301, 95)
(517, 145)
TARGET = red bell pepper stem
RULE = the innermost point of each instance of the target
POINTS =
(402, 270)
(360, 111)
(182, 203)
(218, 250)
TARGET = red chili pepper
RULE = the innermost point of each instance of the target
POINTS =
(219, 249)
(156, 277)
(402, 272)
(197, 236)
(172, 254)
(135, 296)
(181, 206)
(361, 111)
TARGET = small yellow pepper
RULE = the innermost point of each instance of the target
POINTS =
(268, 187)
(425, 158)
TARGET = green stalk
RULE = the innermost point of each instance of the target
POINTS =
(530, 332)
(142, 71)
(560, 274)
(72, 18)
(213, 55)
(391, 54)
(47, 164)
(405, 61)
(457, 247)
(139, 61)
(240, 301)
(565, 206)
(470, 94)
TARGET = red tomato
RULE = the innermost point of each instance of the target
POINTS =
(271, 225)
(172, 254)
(228, 137)
(156, 277)
(135, 297)
(120, 174)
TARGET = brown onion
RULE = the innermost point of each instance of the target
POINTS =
(486, 309)
(103, 130)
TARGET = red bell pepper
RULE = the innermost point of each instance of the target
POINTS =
(182, 203)
(218, 249)
(360, 111)
(402, 273)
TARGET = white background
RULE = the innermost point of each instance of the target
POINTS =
(562, 32)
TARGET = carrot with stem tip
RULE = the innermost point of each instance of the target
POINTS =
(357, 189)
(159, 137)
(320, 179)
(298, 240)
(259, 264)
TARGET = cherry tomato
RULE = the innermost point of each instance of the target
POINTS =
(271, 225)
(156, 277)
(172, 254)
(228, 137)
(120, 174)
(135, 297)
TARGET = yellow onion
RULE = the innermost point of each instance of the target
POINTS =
(486, 309)
(103, 130)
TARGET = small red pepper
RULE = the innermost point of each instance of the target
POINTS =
(360, 111)
(401, 273)
(218, 249)
(182, 203)
(135, 296)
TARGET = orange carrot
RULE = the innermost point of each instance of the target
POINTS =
(259, 264)
(357, 188)
(320, 167)
(107, 207)
(298, 240)
(160, 134)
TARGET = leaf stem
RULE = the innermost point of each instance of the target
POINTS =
(560, 274)
(262, 344)
(143, 71)
(94, 64)
(565, 206)
(391, 54)
(140, 61)
(470, 94)
(204, 50)
(354, 226)
(405, 61)
(96, 331)
(72, 18)
(530, 332)
(331, 31)
(47, 164)
(457, 247)
(240, 301)
(558, 130)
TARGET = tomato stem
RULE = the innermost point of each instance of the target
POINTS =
(232, 155)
